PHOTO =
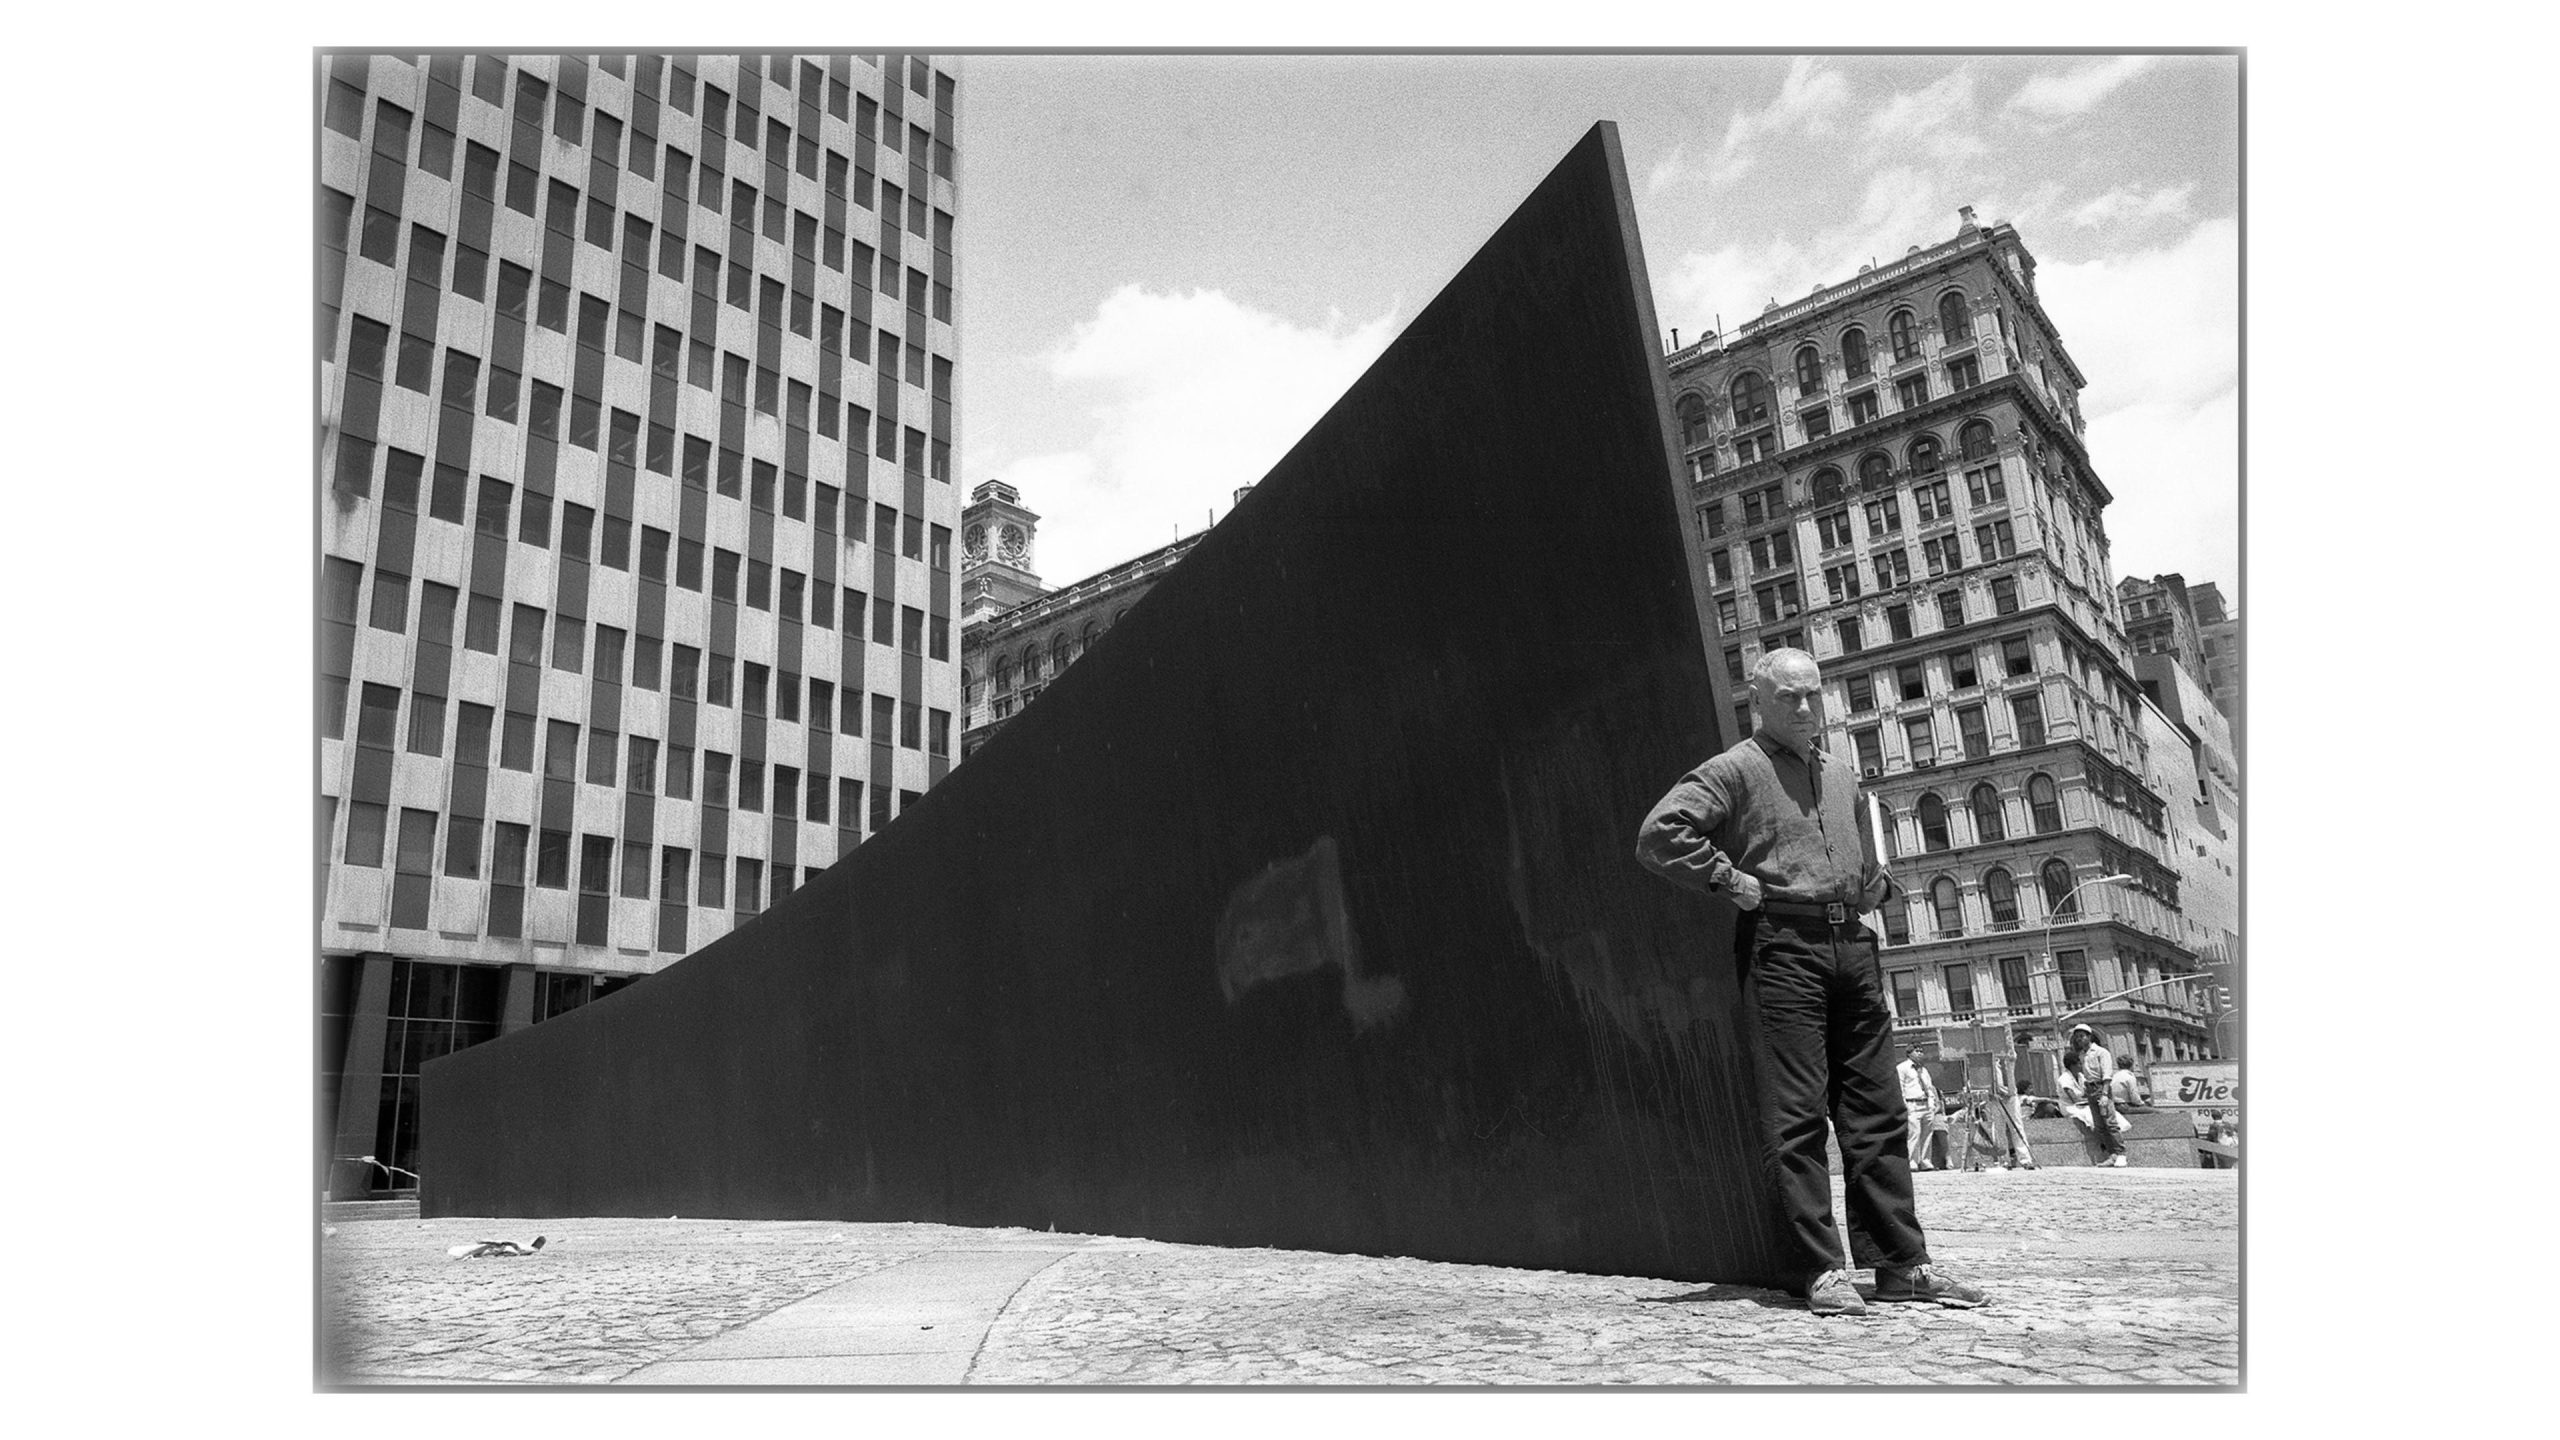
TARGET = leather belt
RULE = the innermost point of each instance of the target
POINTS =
(1833, 913)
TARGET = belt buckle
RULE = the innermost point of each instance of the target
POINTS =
(1836, 913)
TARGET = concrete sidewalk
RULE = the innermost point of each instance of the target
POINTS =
(2110, 1277)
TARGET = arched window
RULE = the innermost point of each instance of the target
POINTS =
(1058, 656)
(1874, 469)
(1950, 907)
(1987, 824)
(1004, 676)
(2044, 804)
(1976, 440)
(1892, 836)
(1933, 822)
(1086, 642)
(2001, 893)
(1030, 663)
(1809, 370)
(1750, 398)
(1828, 485)
(1853, 353)
(1905, 335)
(2058, 899)
(1927, 456)
(1955, 319)
(1693, 419)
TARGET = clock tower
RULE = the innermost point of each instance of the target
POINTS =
(995, 542)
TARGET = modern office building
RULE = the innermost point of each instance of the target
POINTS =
(1016, 634)
(636, 391)
(1892, 473)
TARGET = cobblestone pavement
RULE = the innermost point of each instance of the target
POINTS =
(2118, 1277)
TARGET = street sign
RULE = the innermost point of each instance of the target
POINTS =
(2196, 1085)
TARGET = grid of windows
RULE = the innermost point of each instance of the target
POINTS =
(683, 216)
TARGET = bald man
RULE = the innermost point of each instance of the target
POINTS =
(1776, 826)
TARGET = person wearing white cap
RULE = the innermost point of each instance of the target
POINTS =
(2087, 1061)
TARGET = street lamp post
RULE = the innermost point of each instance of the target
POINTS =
(2054, 913)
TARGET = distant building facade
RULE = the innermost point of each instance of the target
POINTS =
(2218, 637)
(1892, 474)
(635, 523)
(2158, 620)
(1018, 636)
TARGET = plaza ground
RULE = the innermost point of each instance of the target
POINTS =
(2097, 1277)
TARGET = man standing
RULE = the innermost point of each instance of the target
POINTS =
(2086, 1057)
(1775, 825)
(1920, 1104)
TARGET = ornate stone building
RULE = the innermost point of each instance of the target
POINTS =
(1892, 474)
(1016, 636)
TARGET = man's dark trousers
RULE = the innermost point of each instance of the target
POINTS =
(1826, 1048)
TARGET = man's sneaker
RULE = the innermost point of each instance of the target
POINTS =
(2116, 1161)
(1923, 1282)
(1834, 1293)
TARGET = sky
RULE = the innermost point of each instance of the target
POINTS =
(1171, 265)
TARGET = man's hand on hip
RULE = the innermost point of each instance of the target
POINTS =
(1746, 891)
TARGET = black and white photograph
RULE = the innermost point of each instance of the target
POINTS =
(1267, 719)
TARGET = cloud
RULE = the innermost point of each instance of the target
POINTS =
(2175, 473)
(2126, 203)
(1190, 395)
(1807, 100)
(1900, 207)
(2065, 94)
(1931, 118)
(2157, 331)
(1667, 171)
(2154, 326)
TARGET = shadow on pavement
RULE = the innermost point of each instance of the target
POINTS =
(1729, 1295)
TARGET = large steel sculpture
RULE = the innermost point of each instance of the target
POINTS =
(1301, 912)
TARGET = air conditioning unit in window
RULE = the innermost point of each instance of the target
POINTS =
(1923, 762)
(1870, 772)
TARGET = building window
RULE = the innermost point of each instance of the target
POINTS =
(1750, 396)
(1906, 996)
(1863, 407)
(1960, 671)
(1904, 334)
(2074, 968)
(1752, 448)
(1898, 617)
(1720, 565)
(1933, 822)
(1959, 992)
(1888, 827)
(2028, 711)
(1917, 742)
(1928, 458)
(1947, 905)
(1862, 694)
(1897, 922)
(1850, 641)
(1809, 370)
(1911, 391)
(1832, 527)
(2015, 991)
(1893, 567)
(2014, 656)
(1817, 422)
(1771, 551)
(2044, 804)
(1995, 541)
(1964, 374)
(1692, 410)
(1986, 485)
(1987, 824)
(1976, 732)
(1714, 518)
(1955, 319)
(1975, 440)
(1950, 610)
(1930, 499)
(1853, 352)
(2004, 596)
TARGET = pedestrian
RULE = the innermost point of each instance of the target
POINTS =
(1922, 1107)
(1776, 826)
(2126, 1091)
(2089, 1070)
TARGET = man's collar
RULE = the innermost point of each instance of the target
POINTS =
(1811, 760)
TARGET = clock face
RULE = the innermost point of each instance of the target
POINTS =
(975, 539)
(1010, 540)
